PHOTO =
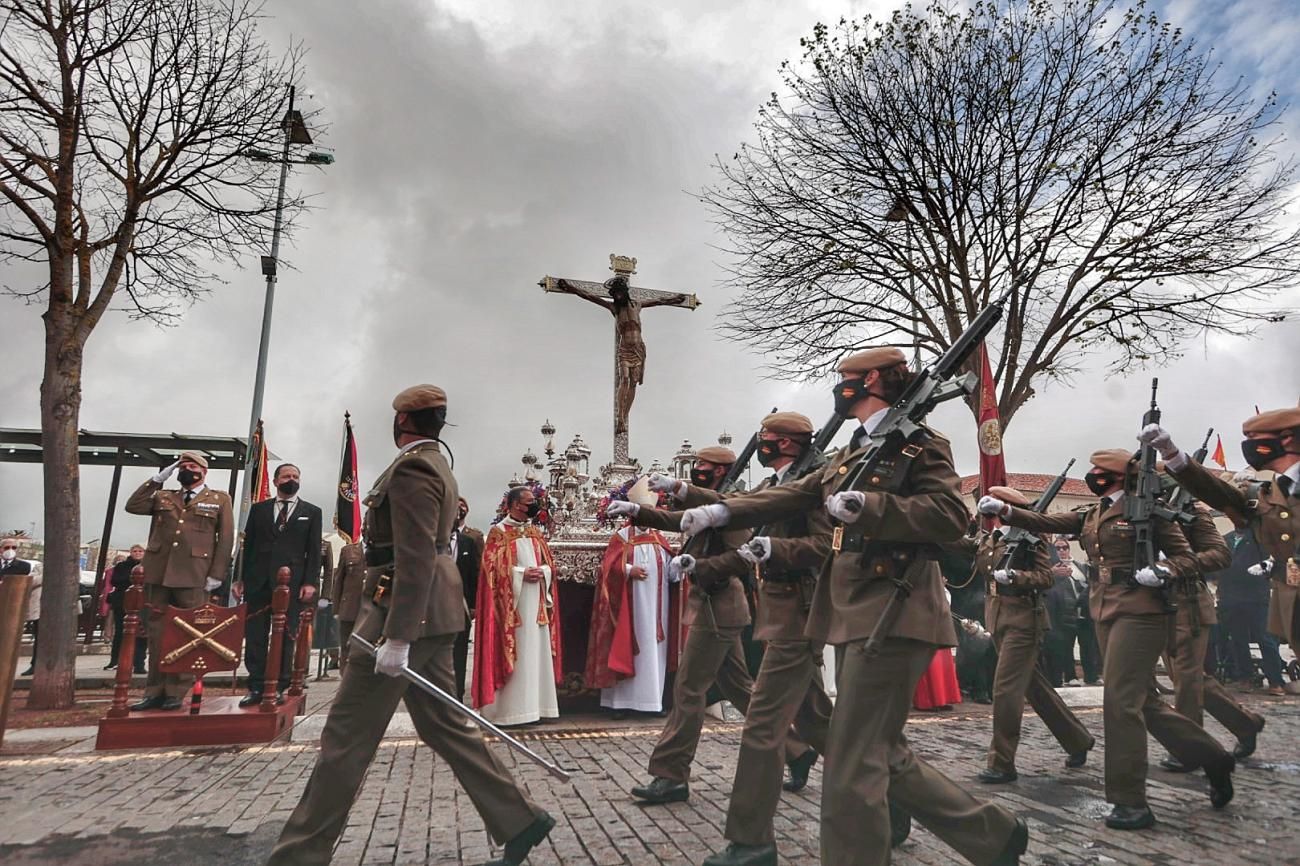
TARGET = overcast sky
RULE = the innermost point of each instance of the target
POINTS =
(481, 145)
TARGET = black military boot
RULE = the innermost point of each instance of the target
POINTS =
(516, 850)
(1246, 745)
(743, 855)
(1078, 759)
(1130, 818)
(151, 702)
(661, 790)
(900, 825)
(800, 767)
(1016, 845)
(1219, 775)
(997, 777)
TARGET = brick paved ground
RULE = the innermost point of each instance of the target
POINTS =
(225, 805)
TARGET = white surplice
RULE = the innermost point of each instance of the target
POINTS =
(645, 690)
(529, 693)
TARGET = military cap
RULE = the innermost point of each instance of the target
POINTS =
(716, 454)
(788, 423)
(195, 457)
(1112, 459)
(864, 362)
(1010, 494)
(418, 397)
(1273, 421)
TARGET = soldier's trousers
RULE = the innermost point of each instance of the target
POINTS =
(1194, 692)
(1131, 708)
(357, 719)
(788, 692)
(345, 643)
(708, 656)
(1016, 679)
(869, 763)
(156, 598)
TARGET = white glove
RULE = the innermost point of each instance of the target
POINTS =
(757, 551)
(661, 483)
(681, 565)
(1260, 569)
(674, 574)
(1003, 576)
(392, 656)
(696, 520)
(161, 477)
(322, 604)
(210, 584)
(1245, 476)
(846, 506)
(992, 505)
(1151, 576)
(1157, 437)
(619, 508)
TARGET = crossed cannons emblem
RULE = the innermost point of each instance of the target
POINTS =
(202, 639)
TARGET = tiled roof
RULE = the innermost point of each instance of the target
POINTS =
(1030, 482)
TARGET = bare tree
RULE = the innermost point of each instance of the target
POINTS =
(1086, 156)
(122, 124)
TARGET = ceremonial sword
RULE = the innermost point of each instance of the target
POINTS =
(442, 695)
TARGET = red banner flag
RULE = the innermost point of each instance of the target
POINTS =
(1219, 457)
(993, 468)
(347, 507)
(261, 475)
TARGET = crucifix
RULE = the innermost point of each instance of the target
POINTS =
(625, 302)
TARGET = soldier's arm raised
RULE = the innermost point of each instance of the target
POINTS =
(1212, 490)
(761, 507)
(141, 501)
(415, 499)
(658, 518)
(1067, 522)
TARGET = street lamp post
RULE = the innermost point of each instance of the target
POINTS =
(295, 132)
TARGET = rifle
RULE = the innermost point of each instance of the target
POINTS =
(1180, 501)
(1018, 539)
(901, 431)
(729, 481)
(1142, 503)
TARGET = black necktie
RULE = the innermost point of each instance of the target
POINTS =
(189, 494)
(1285, 484)
(283, 518)
(859, 439)
(774, 480)
(1106, 503)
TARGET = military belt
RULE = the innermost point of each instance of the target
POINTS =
(1014, 591)
(1108, 575)
(378, 555)
(797, 575)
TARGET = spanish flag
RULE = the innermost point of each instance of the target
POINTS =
(1219, 457)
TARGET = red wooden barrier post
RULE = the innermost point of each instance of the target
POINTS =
(279, 609)
(133, 602)
(302, 648)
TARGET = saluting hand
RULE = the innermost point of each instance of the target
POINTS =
(1158, 438)
(167, 472)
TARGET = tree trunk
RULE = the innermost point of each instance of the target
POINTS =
(53, 684)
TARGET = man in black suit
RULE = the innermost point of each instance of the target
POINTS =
(467, 546)
(281, 531)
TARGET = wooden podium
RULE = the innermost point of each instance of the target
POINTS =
(201, 641)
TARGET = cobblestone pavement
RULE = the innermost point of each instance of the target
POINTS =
(226, 805)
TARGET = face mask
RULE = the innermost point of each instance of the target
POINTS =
(188, 477)
(288, 488)
(768, 452)
(848, 392)
(8, 555)
(1099, 482)
(534, 509)
(702, 477)
(1261, 452)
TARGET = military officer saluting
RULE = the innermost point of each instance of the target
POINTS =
(191, 538)
(1133, 622)
(1016, 617)
(412, 606)
(912, 502)
(1270, 508)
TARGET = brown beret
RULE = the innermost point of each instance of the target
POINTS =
(716, 454)
(790, 423)
(867, 360)
(418, 397)
(1010, 494)
(1273, 421)
(195, 457)
(1112, 459)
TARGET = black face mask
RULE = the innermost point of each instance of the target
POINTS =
(1261, 452)
(768, 452)
(1100, 482)
(534, 509)
(702, 477)
(288, 488)
(848, 392)
(188, 477)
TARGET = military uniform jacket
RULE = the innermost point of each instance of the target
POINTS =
(901, 517)
(1275, 518)
(788, 580)
(727, 607)
(187, 543)
(1108, 539)
(1019, 604)
(412, 509)
(348, 578)
(1212, 554)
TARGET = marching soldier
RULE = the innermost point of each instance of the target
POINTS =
(1184, 656)
(191, 539)
(346, 595)
(1133, 623)
(1270, 508)
(1017, 619)
(716, 612)
(913, 502)
(412, 607)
